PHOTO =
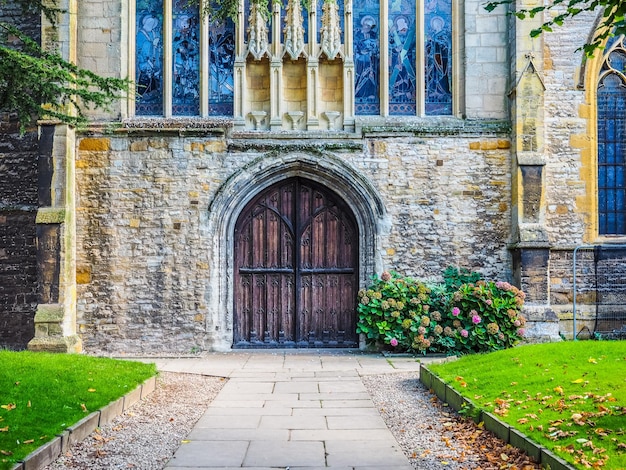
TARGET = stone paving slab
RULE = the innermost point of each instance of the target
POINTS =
(306, 410)
(286, 454)
(386, 454)
(210, 454)
(347, 412)
(342, 435)
(238, 434)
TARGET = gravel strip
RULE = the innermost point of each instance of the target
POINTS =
(430, 434)
(434, 436)
(146, 435)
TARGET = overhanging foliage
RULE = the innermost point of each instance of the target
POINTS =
(612, 23)
(35, 83)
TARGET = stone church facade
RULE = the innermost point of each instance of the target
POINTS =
(266, 168)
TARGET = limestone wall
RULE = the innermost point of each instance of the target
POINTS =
(566, 134)
(146, 247)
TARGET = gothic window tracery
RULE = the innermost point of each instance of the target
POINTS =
(169, 61)
(419, 53)
(611, 120)
(397, 58)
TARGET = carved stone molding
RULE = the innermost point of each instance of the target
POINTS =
(294, 31)
(258, 41)
(331, 29)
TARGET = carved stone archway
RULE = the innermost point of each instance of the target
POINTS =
(328, 170)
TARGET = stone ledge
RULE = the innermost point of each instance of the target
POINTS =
(515, 438)
(50, 451)
(50, 215)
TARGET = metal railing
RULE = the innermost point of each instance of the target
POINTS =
(609, 284)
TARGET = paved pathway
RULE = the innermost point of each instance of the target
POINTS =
(291, 410)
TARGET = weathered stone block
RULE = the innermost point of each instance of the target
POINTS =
(111, 411)
(44, 455)
(50, 215)
(554, 462)
(83, 428)
(100, 144)
(521, 441)
(493, 424)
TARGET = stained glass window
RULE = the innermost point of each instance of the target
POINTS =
(366, 56)
(186, 59)
(419, 57)
(611, 106)
(221, 63)
(149, 57)
(186, 96)
(401, 38)
(438, 57)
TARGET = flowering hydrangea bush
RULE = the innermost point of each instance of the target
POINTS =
(405, 314)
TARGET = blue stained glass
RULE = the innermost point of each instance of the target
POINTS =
(438, 57)
(149, 58)
(221, 70)
(186, 59)
(611, 153)
(366, 20)
(618, 61)
(402, 79)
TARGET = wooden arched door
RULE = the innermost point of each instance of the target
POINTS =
(296, 269)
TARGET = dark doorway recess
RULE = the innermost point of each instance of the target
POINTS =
(296, 269)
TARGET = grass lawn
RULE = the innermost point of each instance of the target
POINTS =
(569, 397)
(42, 394)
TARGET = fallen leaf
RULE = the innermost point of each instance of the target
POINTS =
(29, 441)
(5, 429)
(578, 381)
(83, 407)
(91, 390)
(591, 360)
(8, 407)
(6, 452)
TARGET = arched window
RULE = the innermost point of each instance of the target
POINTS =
(173, 51)
(406, 55)
(611, 112)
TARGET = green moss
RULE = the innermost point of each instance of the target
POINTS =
(50, 215)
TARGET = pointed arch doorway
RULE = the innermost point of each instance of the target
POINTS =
(296, 269)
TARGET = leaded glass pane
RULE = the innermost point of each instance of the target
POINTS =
(149, 58)
(366, 32)
(611, 155)
(186, 59)
(221, 66)
(366, 20)
(438, 57)
(402, 80)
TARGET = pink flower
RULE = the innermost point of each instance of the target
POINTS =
(476, 319)
(517, 323)
(456, 311)
(385, 276)
(464, 333)
(488, 302)
(393, 342)
(521, 332)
